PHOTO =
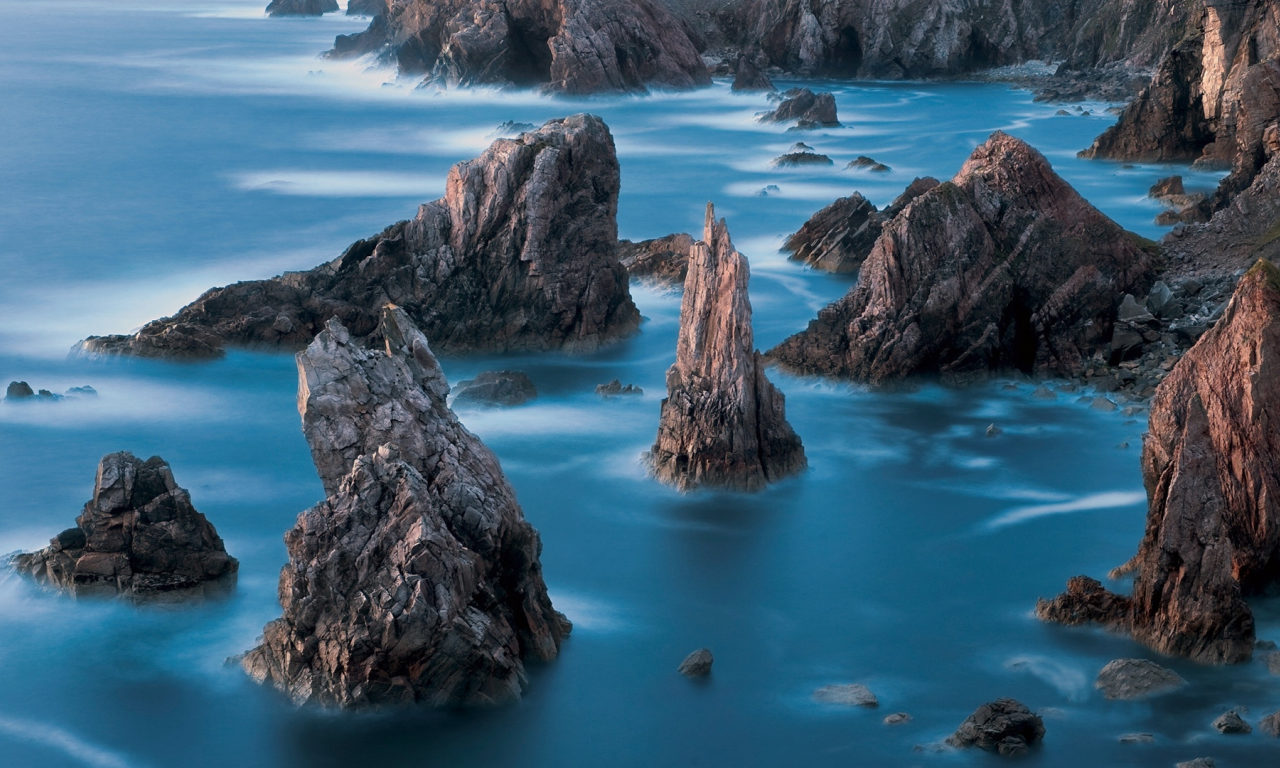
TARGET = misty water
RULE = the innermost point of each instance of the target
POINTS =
(152, 149)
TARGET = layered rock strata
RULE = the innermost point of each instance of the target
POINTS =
(564, 46)
(418, 578)
(1210, 466)
(519, 255)
(138, 536)
(1004, 267)
(723, 423)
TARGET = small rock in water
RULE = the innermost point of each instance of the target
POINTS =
(1044, 393)
(1005, 726)
(1010, 387)
(1138, 738)
(1136, 679)
(800, 146)
(1273, 662)
(1132, 410)
(1123, 445)
(1199, 762)
(768, 189)
(850, 695)
(1265, 645)
(862, 162)
(616, 388)
(1062, 113)
(19, 390)
(497, 388)
(897, 718)
(1232, 723)
(1102, 404)
(993, 430)
(797, 159)
(1270, 724)
(511, 129)
(85, 391)
(696, 664)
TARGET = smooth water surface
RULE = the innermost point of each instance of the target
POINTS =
(150, 150)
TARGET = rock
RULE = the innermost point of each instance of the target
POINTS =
(1231, 723)
(723, 423)
(19, 390)
(748, 76)
(1044, 393)
(368, 7)
(768, 189)
(1199, 762)
(1137, 679)
(511, 129)
(897, 718)
(1273, 662)
(1270, 724)
(417, 579)
(519, 255)
(1160, 299)
(849, 695)
(1004, 725)
(496, 388)
(615, 389)
(1138, 738)
(1170, 186)
(862, 162)
(837, 238)
(1126, 344)
(138, 536)
(808, 109)
(85, 391)
(1102, 404)
(1085, 602)
(1131, 311)
(798, 159)
(573, 47)
(696, 664)
(1265, 645)
(993, 430)
(301, 7)
(1004, 267)
(663, 260)
(800, 146)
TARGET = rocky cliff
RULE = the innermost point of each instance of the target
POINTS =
(138, 536)
(723, 423)
(1004, 267)
(563, 46)
(417, 579)
(1211, 466)
(520, 254)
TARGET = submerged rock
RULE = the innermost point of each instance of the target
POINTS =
(723, 423)
(1231, 723)
(1199, 762)
(806, 108)
(417, 579)
(663, 259)
(849, 695)
(497, 388)
(572, 47)
(1005, 726)
(697, 664)
(615, 388)
(1136, 679)
(1004, 267)
(301, 7)
(897, 718)
(137, 536)
(519, 255)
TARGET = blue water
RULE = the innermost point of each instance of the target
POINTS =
(149, 150)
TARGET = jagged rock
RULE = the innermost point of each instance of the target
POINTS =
(1270, 724)
(510, 129)
(993, 430)
(1004, 267)
(663, 259)
(417, 579)
(1170, 186)
(301, 7)
(496, 388)
(808, 109)
(616, 389)
(838, 237)
(1199, 762)
(1004, 725)
(1247, 229)
(1086, 601)
(520, 254)
(862, 162)
(849, 695)
(723, 423)
(138, 536)
(799, 159)
(572, 47)
(748, 75)
(1137, 679)
(19, 390)
(696, 664)
(1232, 723)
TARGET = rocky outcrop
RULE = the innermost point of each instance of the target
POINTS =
(1245, 230)
(749, 75)
(138, 536)
(723, 423)
(572, 47)
(519, 255)
(864, 163)
(301, 7)
(1004, 267)
(1005, 726)
(800, 159)
(1211, 466)
(417, 579)
(663, 259)
(19, 390)
(697, 664)
(496, 388)
(806, 108)
(615, 388)
(368, 7)
(1126, 679)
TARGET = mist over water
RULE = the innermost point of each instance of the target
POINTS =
(151, 150)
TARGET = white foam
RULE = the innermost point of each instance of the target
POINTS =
(65, 742)
(341, 183)
(1105, 500)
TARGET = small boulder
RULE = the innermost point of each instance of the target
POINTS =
(1006, 726)
(862, 162)
(1232, 723)
(511, 129)
(1273, 662)
(1102, 404)
(1132, 311)
(1167, 187)
(993, 430)
(85, 391)
(19, 390)
(798, 159)
(808, 109)
(616, 388)
(503, 388)
(1270, 725)
(897, 718)
(849, 695)
(1199, 762)
(697, 664)
(1044, 393)
(1137, 679)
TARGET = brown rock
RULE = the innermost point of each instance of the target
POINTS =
(748, 75)
(723, 423)
(1270, 724)
(417, 579)
(663, 259)
(862, 162)
(520, 254)
(1086, 602)
(837, 238)
(1004, 267)
(1168, 187)
(1005, 726)
(138, 536)
(808, 109)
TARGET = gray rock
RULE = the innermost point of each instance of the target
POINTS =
(1130, 310)
(848, 694)
(800, 159)
(615, 388)
(503, 388)
(1137, 679)
(808, 109)
(1232, 723)
(697, 664)
(19, 390)
(662, 259)
(1102, 404)
(1270, 724)
(85, 391)
(1273, 662)
(1159, 299)
(1004, 725)
(1126, 344)
(993, 430)
(1265, 645)
(1044, 393)
(511, 129)
(897, 718)
(864, 163)
(1199, 762)
(301, 7)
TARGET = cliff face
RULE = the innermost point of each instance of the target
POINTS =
(564, 46)
(723, 423)
(417, 579)
(520, 254)
(138, 535)
(1210, 467)
(1003, 267)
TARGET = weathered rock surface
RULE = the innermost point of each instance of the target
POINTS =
(723, 423)
(520, 254)
(1004, 725)
(839, 238)
(19, 390)
(806, 108)
(897, 718)
(418, 578)
(1245, 230)
(1270, 724)
(800, 159)
(301, 7)
(1199, 762)
(697, 664)
(864, 163)
(137, 536)
(847, 694)
(749, 75)
(615, 388)
(1086, 601)
(1232, 723)
(1136, 679)
(1004, 267)
(562, 46)
(663, 259)
(496, 388)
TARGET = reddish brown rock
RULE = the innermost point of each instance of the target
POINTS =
(519, 255)
(663, 259)
(723, 423)
(417, 579)
(1004, 267)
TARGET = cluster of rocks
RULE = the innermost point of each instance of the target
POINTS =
(21, 390)
(616, 388)
(799, 155)
(520, 254)
(808, 110)
(138, 537)
(1183, 207)
(504, 388)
